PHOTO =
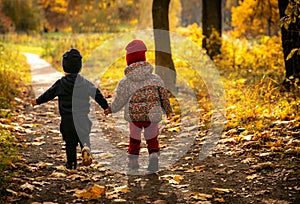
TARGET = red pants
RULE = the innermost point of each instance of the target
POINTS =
(151, 132)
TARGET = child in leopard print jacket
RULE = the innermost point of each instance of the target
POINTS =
(143, 95)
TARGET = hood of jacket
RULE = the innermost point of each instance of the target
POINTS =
(138, 71)
(70, 81)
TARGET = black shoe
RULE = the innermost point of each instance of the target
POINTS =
(153, 162)
(71, 165)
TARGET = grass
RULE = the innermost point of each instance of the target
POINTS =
(14, 76)
(8, 155)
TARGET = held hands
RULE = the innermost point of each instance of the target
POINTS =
(169, 116)
(107, 111)
(33, 102)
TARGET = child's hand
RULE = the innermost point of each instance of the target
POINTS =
(169, 116)
(33, 102)
(107, 111)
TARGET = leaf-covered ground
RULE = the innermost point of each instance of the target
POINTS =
(240, 170)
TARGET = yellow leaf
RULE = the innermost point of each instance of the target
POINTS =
(290, 55)
(58, 175)
(220, 200)
(174, 179)
(188, 158)
(174, 129)
(123, 189)
(119, 200)
(111, 195)
(200, 196)
(222, 190)
(251, 176)
(92, 193)
(177, 178)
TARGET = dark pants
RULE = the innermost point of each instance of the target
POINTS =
(150, 132)
(75, 130)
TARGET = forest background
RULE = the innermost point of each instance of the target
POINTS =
(251, 60)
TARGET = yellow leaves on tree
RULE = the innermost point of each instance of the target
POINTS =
(254, 18)
(57, 6)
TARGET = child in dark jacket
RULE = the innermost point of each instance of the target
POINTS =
(143, 95)
(74, 92)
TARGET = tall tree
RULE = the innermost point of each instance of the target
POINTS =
(164, 65)
(212, 26)
(290, 34)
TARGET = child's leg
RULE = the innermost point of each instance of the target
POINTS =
(70, 137)
(135, 138)
(134, 145)
(83, 127)
(151, 134)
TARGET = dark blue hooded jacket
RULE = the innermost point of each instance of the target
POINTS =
(74, 92)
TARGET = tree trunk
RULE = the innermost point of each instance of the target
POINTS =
(164, 65)
(212, 26)
(290, 39)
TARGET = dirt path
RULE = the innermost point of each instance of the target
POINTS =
(235, 173)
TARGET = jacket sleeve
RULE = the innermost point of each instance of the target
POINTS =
(121, 97)
(96, 94)
(164, 100)
(50, 94)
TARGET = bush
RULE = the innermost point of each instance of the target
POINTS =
(14, 72)
(5, 24)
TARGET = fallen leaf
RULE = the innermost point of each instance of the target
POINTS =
(159, 202)
(174, 179)
(119, 200)
(123, 144)
(220, 200)
(40, 183)
(200, 196)
(27, 186)
(231, 140)
(249, 160)
(123, 189)
(58, 175)
(143, 198)
(174, 129)
(37, 143)
(195, 169)
(223, 190)
(177, 179)
(111, 195)
(54, 131)
(261, 166)
(74, 177)
(60, 168)
(106, 155)
(252, 176)
(92, 193)
(38, 139)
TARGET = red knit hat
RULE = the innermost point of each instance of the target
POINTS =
(135, 51)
